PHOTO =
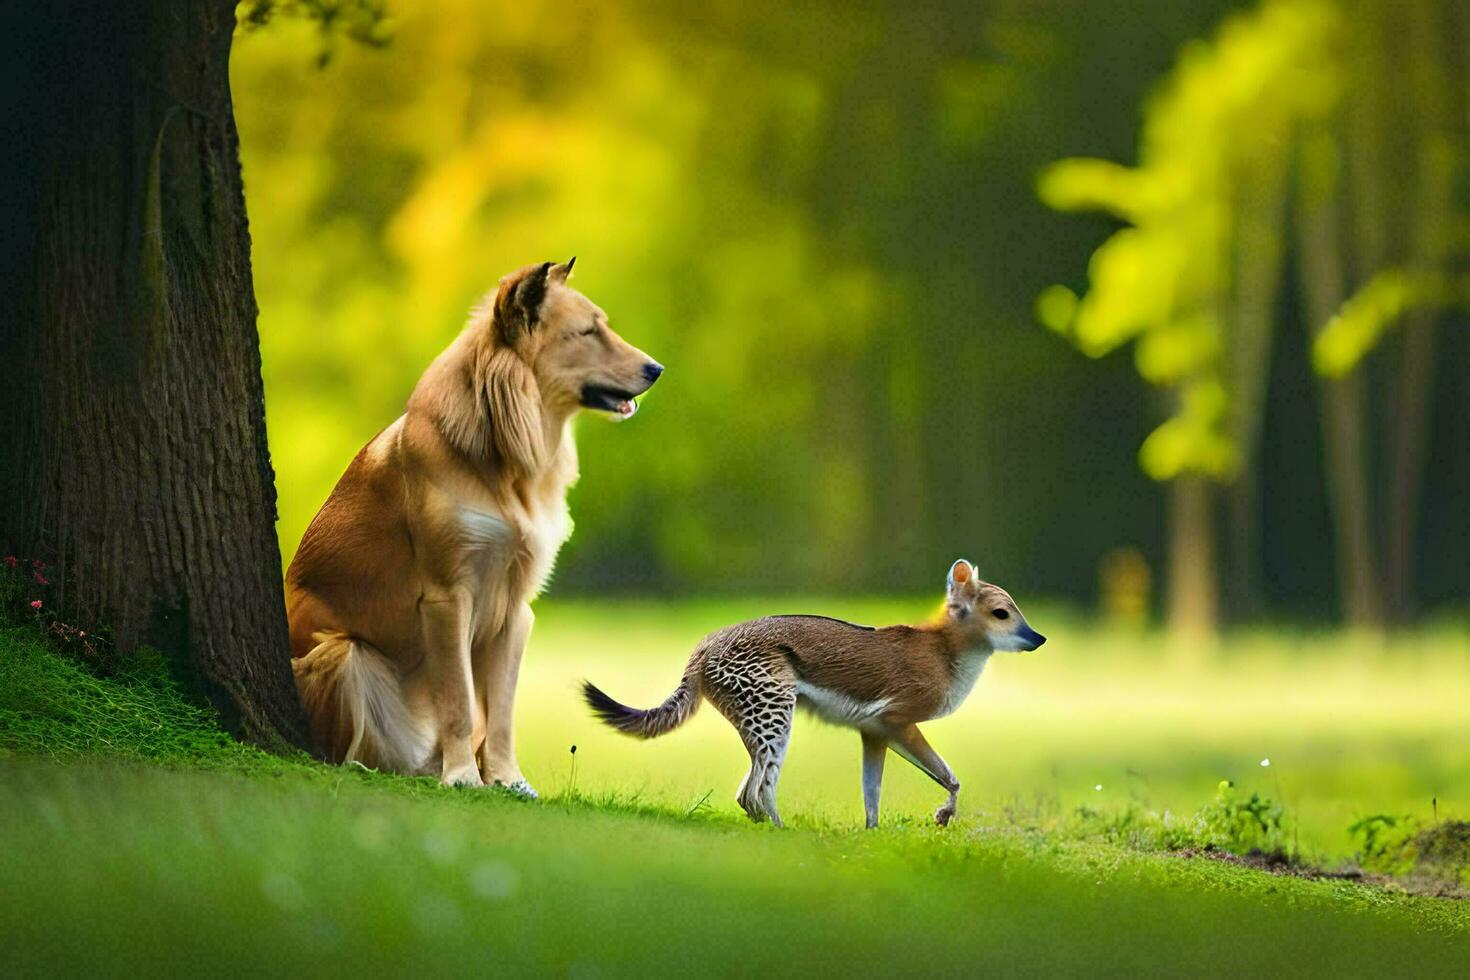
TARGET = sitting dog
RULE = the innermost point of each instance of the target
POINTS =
(880, 681)
(409, 598)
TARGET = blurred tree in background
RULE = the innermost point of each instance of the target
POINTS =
(823, 221)
(1301, 88)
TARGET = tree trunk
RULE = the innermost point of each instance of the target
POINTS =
(1344, 429)
(133, 455)
(1194, 588)
(1430, 234)
(1256, 279)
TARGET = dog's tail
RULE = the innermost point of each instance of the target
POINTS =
(353, 697)
(678, 708)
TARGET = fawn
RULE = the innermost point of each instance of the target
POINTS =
(882, 682)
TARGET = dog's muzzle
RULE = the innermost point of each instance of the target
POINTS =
(620, 402)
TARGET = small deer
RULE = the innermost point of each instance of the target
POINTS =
(882, 682)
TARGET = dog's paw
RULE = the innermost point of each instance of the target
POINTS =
(944, 814)
(518, 787)
(469, 776)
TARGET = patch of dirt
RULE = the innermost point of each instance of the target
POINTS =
(1421, 884)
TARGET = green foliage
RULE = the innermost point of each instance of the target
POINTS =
(817, 217)
(1386, 842)
(1215, 142)
(1444, 851)
(1403, 845)
(1191, 280)
(364, 21)
(782, 206)
(1374, 309)
(1135, 828)
(1256, 825)
(1243, 825)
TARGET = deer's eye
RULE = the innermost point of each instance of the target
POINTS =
(1001, 614)
(589, 331)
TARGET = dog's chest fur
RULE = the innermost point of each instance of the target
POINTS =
(520, 549)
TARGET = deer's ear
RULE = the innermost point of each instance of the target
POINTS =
(960, 573)
(563, 271)
(518, 301)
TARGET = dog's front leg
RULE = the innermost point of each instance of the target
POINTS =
(445, 620)
(497, 669)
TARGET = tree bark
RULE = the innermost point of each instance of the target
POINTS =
(133, 456)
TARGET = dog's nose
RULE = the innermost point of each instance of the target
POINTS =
(652, 370)
(1038, 639)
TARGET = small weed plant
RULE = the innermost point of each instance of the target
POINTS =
(1402, 845)
(1231, 823)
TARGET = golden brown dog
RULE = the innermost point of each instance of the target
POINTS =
(409, 598)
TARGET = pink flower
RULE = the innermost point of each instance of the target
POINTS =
(35, 603)
(11, 561)
(42, 579)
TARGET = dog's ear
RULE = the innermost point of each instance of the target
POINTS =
(518, 301)
(513, 400)
(960, 573)
(562, 272)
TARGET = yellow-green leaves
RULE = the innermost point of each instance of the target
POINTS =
(1373, 310)
(1179, 281)
(1056, 306)
(1085, 184)
(1192, 441)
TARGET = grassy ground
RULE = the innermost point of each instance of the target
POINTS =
(1351, 727)
(148, 843)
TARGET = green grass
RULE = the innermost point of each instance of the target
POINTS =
(137, 838)
(1352, 726)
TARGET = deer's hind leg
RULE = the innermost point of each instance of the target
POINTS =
(767, 743)
(758, 697)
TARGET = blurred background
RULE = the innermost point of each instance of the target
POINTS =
(1158, 306)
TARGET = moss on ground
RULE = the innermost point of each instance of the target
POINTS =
(55, 707)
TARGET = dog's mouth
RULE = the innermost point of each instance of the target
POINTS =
(620, 404)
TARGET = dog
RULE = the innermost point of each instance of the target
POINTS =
(882, 682)
(409, 597)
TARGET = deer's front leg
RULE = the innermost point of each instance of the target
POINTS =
(497, 669)
(444, 618)
(911, 744)
(875, 749)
